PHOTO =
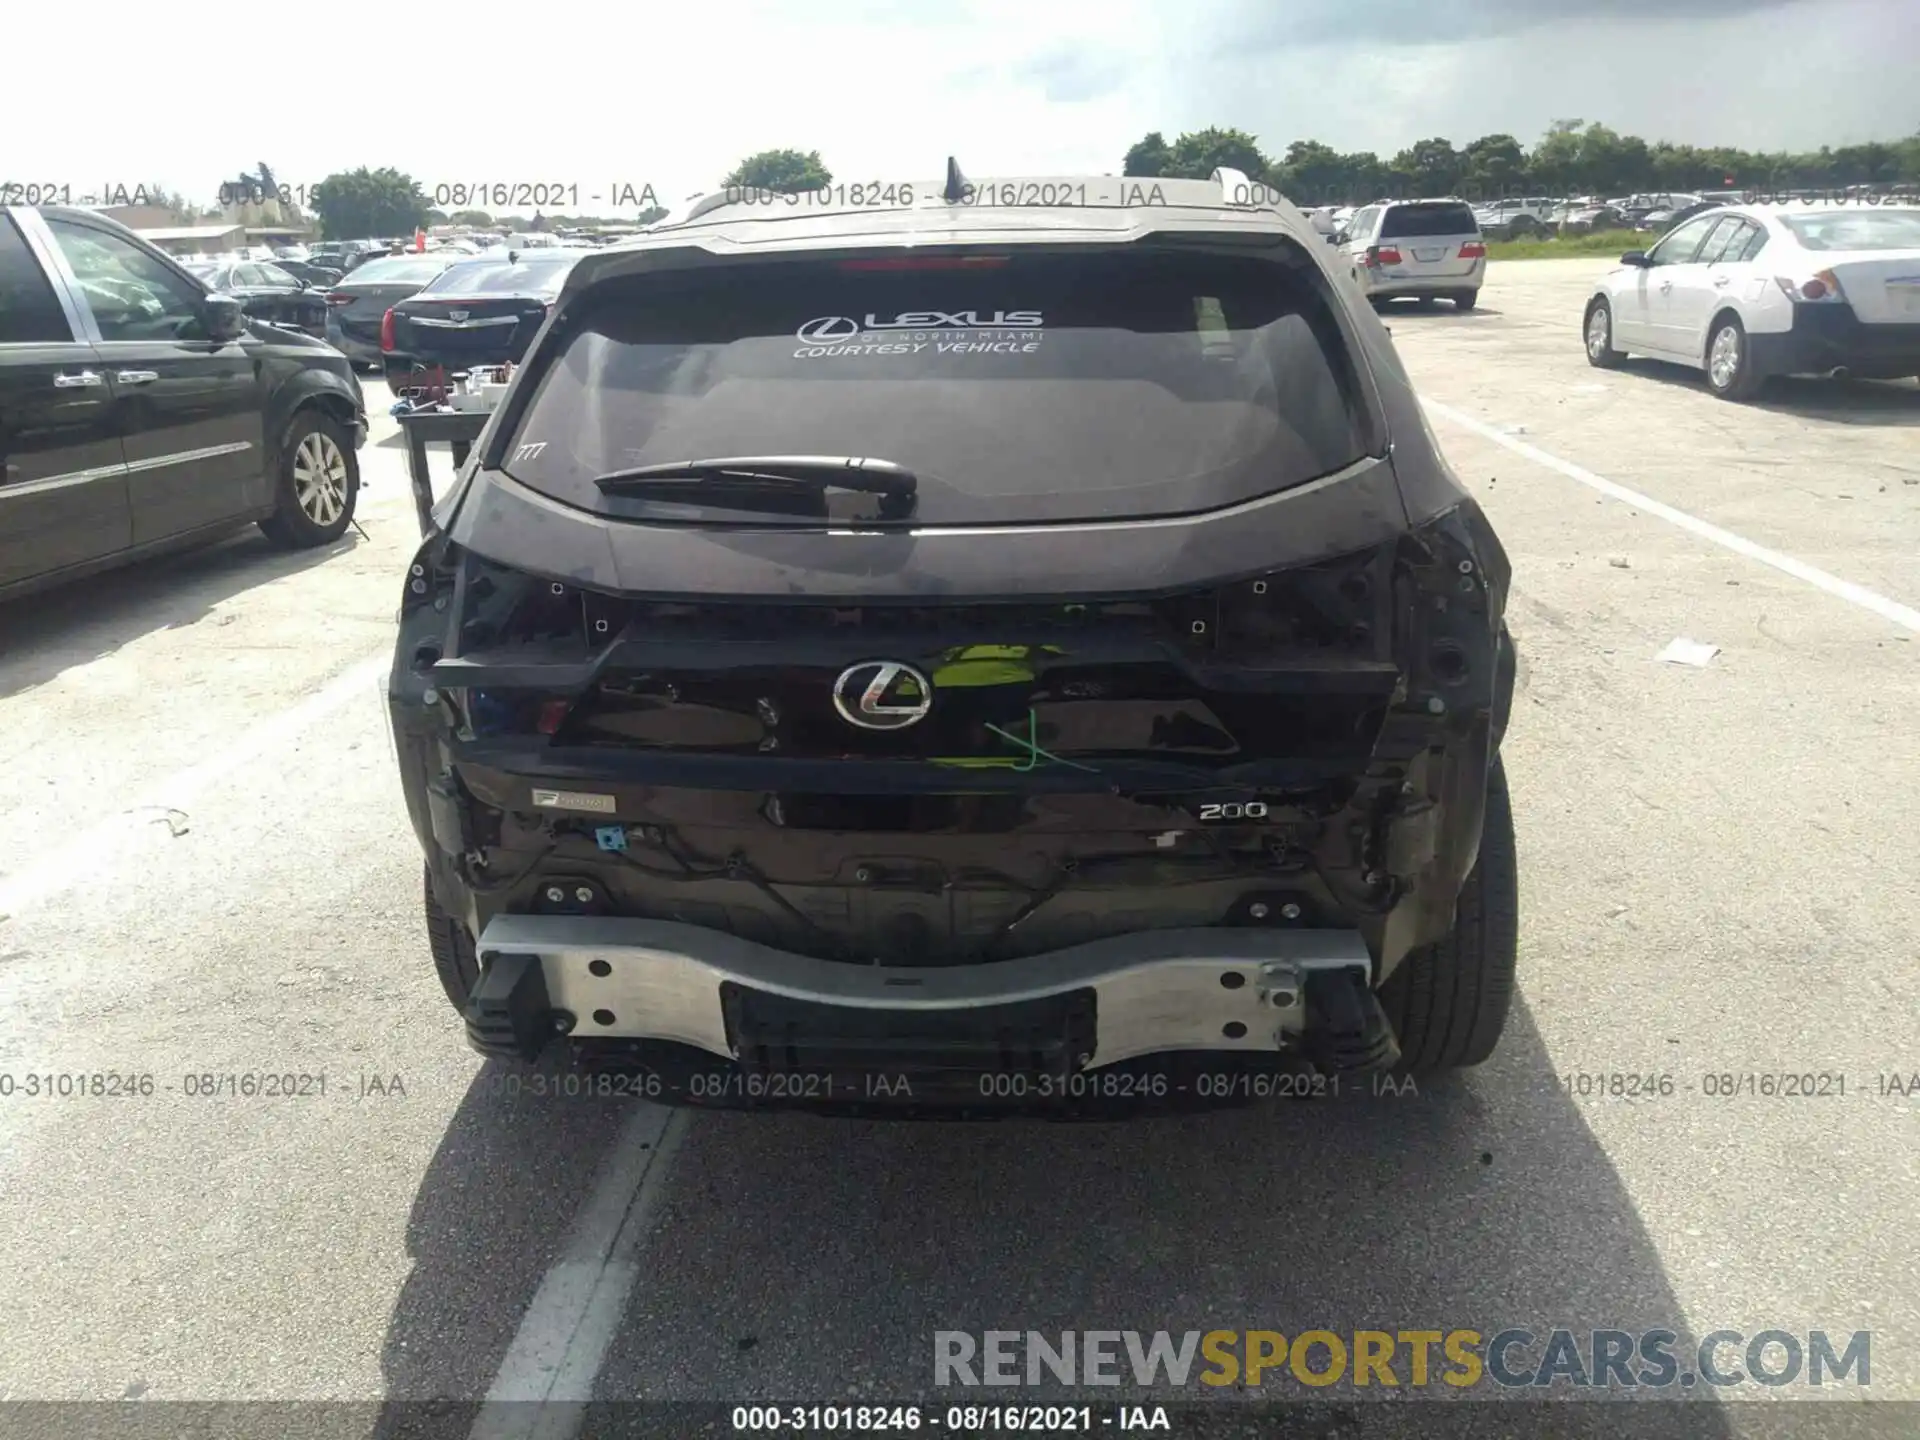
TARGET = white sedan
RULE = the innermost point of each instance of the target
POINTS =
(1748, 292)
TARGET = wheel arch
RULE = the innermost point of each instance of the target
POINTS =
(333, 406)
(311, 389)
(1724, 311)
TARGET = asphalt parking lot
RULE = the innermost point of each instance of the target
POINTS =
(205, 869)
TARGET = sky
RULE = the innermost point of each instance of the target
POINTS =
(635, 95)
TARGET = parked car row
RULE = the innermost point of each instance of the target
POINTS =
(269, 292)
(1516, 218)
(477, 312)
(357, 305)
(1747, 292)
(406, 313)
(1520, 217)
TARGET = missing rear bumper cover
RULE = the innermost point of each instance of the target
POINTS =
(1242, 990)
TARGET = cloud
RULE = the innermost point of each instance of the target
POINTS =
(1259, 25)
(889, 88)
(1073, 73)
(1844, 78)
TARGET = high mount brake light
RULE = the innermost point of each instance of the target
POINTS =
(925, 262)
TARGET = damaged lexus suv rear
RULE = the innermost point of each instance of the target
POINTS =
(950, 652)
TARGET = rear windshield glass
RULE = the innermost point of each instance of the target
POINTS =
(1853, 229)
(1021, 388)
(488, 277)
(1406, 222)
(398, 271)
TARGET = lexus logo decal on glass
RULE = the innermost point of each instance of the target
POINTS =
(827, 329)
(882, 695)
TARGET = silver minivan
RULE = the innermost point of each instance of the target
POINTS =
(1419, 248)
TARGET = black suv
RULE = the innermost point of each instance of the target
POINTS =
(139, 412)
(953, 654)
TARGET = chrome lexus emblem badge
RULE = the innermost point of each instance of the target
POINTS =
(882, 695)
(458, 316)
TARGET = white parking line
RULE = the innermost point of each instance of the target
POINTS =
(547, 1377)
(1902, 615)
(81, 857)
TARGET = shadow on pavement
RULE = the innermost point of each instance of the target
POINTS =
(804, 1259)
(1844, 402)
(1480, 1203)
(1434, 310)
(491, 1216)
(53, 630)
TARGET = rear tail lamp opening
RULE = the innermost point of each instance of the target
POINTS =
(386, 331)
(1332, 606)
(1382, 255)
(336, 298)
(1822, 286)
(1473, 250)
(508, 712)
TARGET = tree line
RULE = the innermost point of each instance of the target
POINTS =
(355, 204)
(1574, 157)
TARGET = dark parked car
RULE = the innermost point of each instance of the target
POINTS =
(1583, 219)
(140, 411)
(1661, 221)
(481, 311)
(315, 272)
(358, 304)
(344, 255)
(269, 292)
(945, 659)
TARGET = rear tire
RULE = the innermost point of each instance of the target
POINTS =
(1731, 373)
(315, 485)
(1448, 1002)
(1466, 299)
(453, 954)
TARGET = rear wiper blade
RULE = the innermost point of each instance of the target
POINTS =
(810, 472)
